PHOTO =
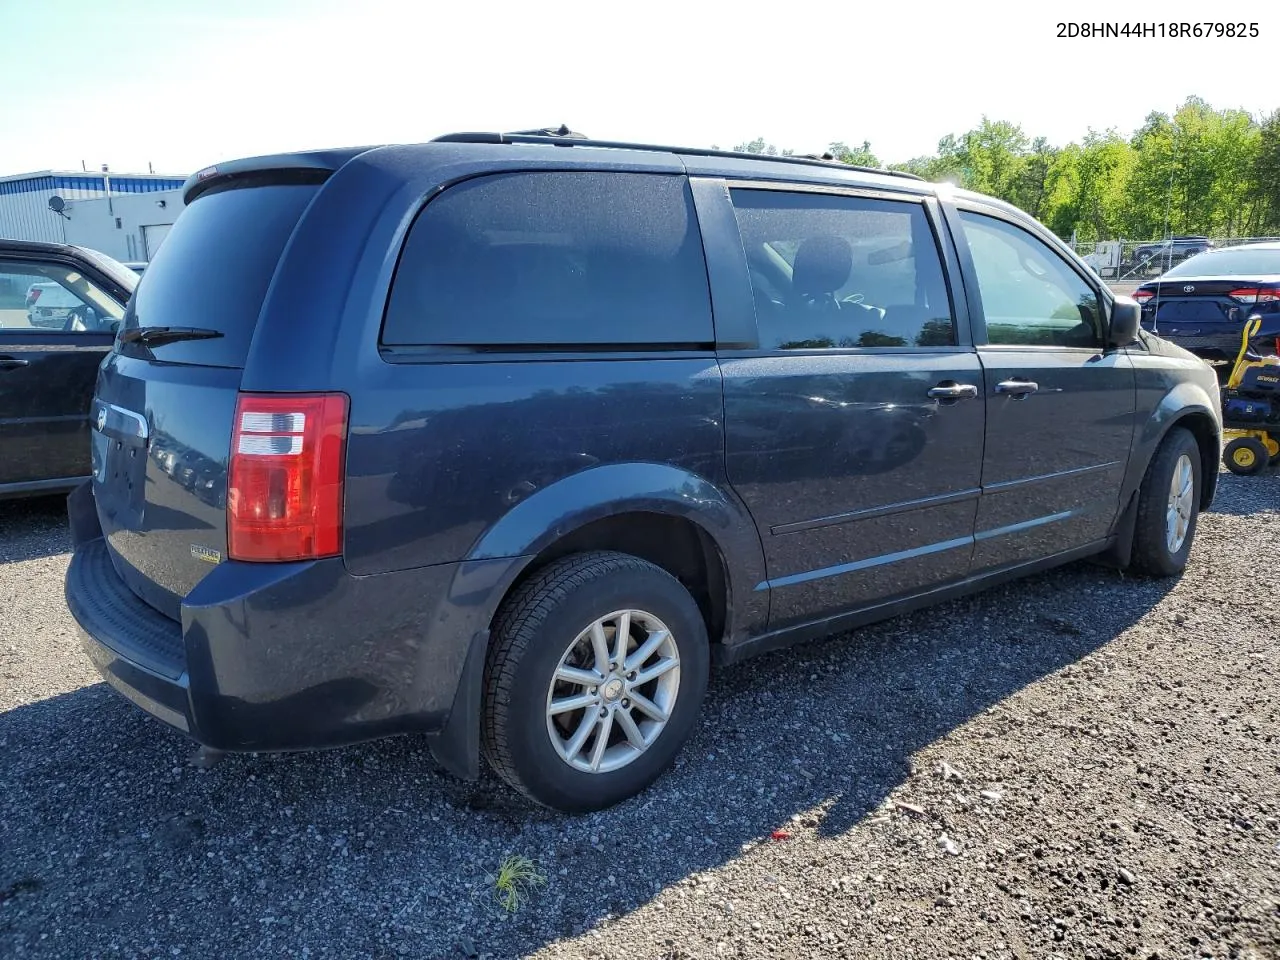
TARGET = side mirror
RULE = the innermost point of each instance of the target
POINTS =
(1126, 320)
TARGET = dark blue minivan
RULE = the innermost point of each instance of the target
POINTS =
(506, 439)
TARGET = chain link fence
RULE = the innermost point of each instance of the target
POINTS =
(1136, 261)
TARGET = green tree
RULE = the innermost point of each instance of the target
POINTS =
(995, 155)
(1199, 170)
(857, 156)
(1195, 171)
(1265, 180)
(761, 146)
(1092, 189)
(1034, 183)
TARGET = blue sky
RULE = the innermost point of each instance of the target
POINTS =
(181, 84)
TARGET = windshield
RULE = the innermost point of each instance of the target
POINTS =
(1232, 262)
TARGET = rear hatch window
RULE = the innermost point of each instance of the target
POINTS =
(212, 273)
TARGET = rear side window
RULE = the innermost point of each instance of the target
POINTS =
(558, 260)
(213, 269)
(840, 272)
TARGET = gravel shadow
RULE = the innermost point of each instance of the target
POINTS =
(1241, 496)
(32, 528)
(112, 839)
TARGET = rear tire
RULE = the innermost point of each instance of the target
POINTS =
(1168, 507)
(566, 621)
(1245, 456)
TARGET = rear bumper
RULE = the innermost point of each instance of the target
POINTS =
(165, 698)
(294, 656)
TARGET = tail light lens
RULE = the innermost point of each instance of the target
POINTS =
(1255, 295)
(1142, 296)
(284, 490)
(33, 295)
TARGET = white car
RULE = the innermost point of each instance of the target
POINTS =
(49, 304)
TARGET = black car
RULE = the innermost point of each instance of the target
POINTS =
(1203, 303)
(58, 309)
(506, 439)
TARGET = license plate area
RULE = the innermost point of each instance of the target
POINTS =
(119, 450)
(1183, 311)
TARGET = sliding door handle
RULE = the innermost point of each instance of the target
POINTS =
(1017, 388)
(950, 390)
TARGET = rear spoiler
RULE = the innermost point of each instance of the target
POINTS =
(312, 167)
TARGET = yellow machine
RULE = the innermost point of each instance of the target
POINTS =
(1251, 409)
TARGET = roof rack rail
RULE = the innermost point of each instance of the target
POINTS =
(560, 131)
(562, 136)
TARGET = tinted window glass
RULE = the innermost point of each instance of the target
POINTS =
(833, 271)
(556, 259)
(213, 269)
(1238, 262)
(1030, 297)
(51, 297)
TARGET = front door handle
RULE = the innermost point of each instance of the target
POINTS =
(1017, 388)
(950, 390)
(12, 363)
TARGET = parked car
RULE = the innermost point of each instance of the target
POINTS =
(505, 439)
(1173, 250)
(50, 305)
(58, 305)
(1202, 303)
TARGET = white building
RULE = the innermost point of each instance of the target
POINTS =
(124, 216)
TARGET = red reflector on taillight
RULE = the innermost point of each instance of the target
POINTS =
(34, 295)
(284, 486)
(1142, 296)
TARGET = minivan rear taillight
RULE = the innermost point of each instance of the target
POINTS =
(284, 486)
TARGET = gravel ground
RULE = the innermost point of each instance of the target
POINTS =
(1076, 765)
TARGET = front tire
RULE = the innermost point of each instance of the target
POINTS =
(1168, 507)
(594, 680)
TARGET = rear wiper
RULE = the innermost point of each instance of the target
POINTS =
(154, 336)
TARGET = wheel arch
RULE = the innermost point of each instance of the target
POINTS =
(1190, 407)
(1198, 419)
(684, 523)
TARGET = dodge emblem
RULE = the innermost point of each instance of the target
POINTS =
(1189, 288)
